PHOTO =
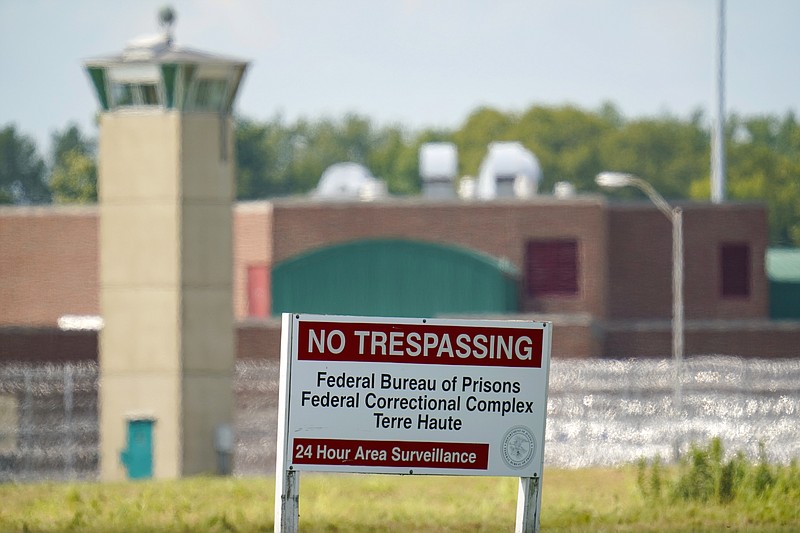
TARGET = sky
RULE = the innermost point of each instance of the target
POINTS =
(417, 63)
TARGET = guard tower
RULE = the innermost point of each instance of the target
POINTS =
(166, 189)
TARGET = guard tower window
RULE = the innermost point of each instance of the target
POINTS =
(735, 270)
(133, 85)
(551, 267)
(122, 94)
(134, 94)
(207, 88)
(148, 93)
(210, 94)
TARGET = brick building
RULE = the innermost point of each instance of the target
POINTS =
(600, 271)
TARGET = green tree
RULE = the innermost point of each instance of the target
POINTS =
(251, 160)
(276, 159)
(73, 178)
(757, 173)
(566, 140)
(482, 127)
(71, 139)
(317, 145)
(393, 158)
(265, 154)
(667, 152)
(610, 114)
(22, 170)
(763, 163)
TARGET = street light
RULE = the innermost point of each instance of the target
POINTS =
(675, 216)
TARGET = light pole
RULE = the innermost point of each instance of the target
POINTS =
(718, 130)
(675, 215)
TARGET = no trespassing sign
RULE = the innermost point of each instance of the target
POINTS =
(405, 395)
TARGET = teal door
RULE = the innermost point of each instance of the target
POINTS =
(138, 457)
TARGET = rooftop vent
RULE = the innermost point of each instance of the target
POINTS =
(509, 170)
(349, 181)
(438, 166)
(564, 190)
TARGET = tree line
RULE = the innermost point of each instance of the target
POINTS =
(277, 157)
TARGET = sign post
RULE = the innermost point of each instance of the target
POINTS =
(412, 396)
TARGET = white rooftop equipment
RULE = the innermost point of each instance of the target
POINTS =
(349, 181)
(564, 190)
(438, 167)
(509, 170)
(466, 187)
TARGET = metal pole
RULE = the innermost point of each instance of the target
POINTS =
(69, 445)
(675, 216)
(529, 500)
(27, 425)
(677, 301)
(718, 128)
(287, 501)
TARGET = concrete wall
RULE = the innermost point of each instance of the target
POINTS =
(207, 320)
(167, 347)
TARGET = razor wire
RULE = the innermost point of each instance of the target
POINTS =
(600, 412)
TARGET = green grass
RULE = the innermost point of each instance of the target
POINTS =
(595, 500)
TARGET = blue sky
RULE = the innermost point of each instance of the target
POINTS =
(414, 62)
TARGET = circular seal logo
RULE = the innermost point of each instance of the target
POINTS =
(519, 446)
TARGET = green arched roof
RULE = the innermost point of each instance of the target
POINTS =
(394, 277)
